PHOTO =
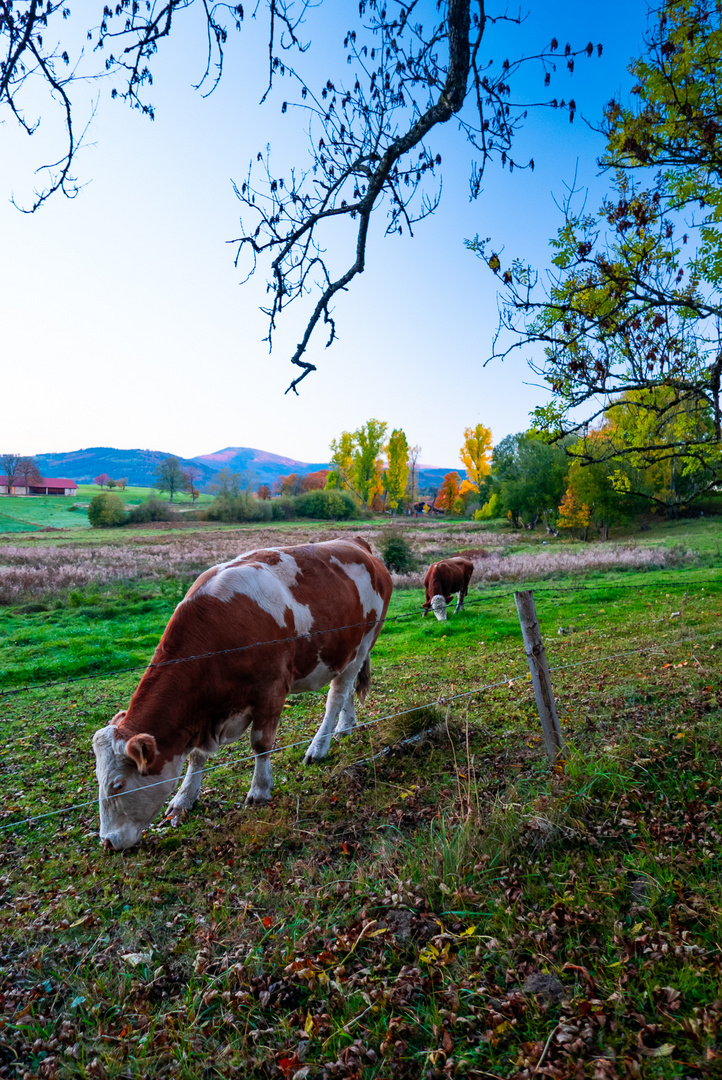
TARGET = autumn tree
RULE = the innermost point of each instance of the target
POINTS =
(264, 492)
(169, 476)
(370, 123)
(101, 480)
(315, 481)
(573, 514)
(475, 454)
(291, 484)
(634, 304)
(448, 492)
(191, 474)
(396, 474)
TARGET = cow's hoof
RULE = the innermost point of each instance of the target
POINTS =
(313, 759)
(257, 799)
(177, 810)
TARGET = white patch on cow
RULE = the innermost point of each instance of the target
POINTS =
(320, 676)
(438, 606)
(370, 599)
(268, 586)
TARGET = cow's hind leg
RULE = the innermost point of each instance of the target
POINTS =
(187, 795)
(340, 714)
(262, 740)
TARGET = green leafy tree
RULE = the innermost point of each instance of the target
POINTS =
(341, 462)
(169, 476)
(106, 510)
(531, 477)
(604, 487)
(635, 301)
(368, 443)
(396, 474)
(665, 438)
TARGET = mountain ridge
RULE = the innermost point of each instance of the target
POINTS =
(139, 465)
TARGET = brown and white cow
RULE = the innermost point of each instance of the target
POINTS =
(316, 609)
(442, 580)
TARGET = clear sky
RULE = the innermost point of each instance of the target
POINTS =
(123, 320)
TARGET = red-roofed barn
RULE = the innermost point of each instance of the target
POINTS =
(47, 485)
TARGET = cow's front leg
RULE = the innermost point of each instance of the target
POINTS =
(187, 795)
(339, 694)
(459, 603)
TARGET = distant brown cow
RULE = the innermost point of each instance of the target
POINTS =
(442, 580)
(248, 631)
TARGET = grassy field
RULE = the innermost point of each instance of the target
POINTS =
(450, 906)
(21, 513)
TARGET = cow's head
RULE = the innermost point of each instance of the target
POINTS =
(129, 797)
(438, 606)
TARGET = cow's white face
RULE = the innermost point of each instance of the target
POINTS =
(438, 606)
(128, 798)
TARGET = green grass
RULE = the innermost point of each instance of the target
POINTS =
(131, 496)
(381, 917)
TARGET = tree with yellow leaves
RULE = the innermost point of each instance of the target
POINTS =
(475, 456)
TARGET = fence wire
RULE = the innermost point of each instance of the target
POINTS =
(441, 700)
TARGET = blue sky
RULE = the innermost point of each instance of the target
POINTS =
(123, 319)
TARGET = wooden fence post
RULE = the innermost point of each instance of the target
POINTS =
(536, 656)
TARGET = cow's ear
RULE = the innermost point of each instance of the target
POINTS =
(118, 718)
(143, 750)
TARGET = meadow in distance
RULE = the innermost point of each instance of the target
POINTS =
(434, 901)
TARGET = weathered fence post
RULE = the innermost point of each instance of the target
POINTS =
(535, 654)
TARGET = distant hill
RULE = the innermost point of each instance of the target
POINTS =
(260, 466)
(138, 465)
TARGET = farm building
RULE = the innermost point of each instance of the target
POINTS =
(46, 485)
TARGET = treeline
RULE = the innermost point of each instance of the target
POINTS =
(639, 460)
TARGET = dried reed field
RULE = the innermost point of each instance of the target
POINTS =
(33, 570)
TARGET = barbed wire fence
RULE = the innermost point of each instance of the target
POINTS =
(469, 602)
(440, 700)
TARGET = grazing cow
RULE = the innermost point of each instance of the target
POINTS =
(316, 611)
(442, 580)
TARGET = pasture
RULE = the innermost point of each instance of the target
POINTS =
(32, 513)
(435, 900)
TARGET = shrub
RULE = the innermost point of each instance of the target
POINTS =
(336, 505)
(397, 552)
(152, 510)
(105, 511)
(241, 507)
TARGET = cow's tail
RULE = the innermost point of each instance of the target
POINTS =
(363, 679)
